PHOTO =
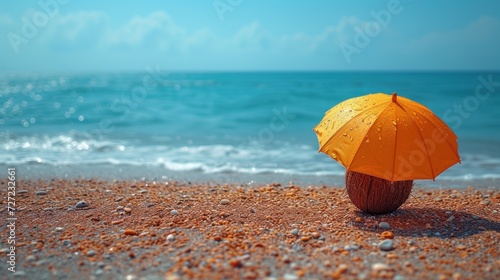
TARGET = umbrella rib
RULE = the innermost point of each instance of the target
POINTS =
(395, 145)
(425, 145)
(373, 122)
(441, 131)
(346, 123)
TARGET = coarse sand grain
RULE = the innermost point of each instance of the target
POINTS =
(171, 230)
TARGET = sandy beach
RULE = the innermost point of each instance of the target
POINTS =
(86, 229)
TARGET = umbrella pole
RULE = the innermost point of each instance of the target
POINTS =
(375, 195)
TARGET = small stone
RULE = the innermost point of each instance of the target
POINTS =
(380, 267)
(392, 256)
(386, 245)
(91, 253)
(117, 222)
(295, 231)
(315, 235)
(358, 219)
(217, 238)
(171, 238)
(305, 238)
(58, 229)
(290, 276)
(485, 202)
(41, 192)
(352, 247)
(67, 243)
(22, 191)
(224, 201)
(174, 212)
(30, 258)
(130, 232)
(387, 235)
(82, 204)
(384, 225)
(235, 263)
(451, 218)
(143, 191)
(127, 210)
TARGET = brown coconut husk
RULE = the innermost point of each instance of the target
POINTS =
(376, 195)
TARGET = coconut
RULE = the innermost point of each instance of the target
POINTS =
(375, 195)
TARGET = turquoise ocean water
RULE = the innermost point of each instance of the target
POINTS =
(223, 127)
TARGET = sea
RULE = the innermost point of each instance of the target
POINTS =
(224, 128)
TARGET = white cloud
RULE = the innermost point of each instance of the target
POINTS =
(139, 29)
(83, 28)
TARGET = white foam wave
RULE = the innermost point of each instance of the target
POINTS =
(285, 158)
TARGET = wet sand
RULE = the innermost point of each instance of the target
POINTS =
(85, 229)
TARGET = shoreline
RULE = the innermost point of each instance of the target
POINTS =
(134, 173)
(171, 230)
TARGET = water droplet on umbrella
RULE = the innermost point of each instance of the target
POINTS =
(414, 113)
(350, 138)
(394, 123)
(369, 122)
(367, 141)
(344, 134)
(380, 138)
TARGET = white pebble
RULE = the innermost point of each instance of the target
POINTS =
(170, 237)
(224, 201)
(82, 204)
(380, 266)
(174, 212)
(384, 225)
(91, 253)
(386, 245)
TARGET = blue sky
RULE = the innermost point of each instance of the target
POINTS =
(242, 35)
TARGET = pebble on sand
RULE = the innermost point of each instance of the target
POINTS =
(174, 212)
(41, 192)
(380, 267)
(224, 201)
(386, 245)
(170, 237)
(81, 204)
(387, 235)
(384, 225)
(130, 232)
(91, 253)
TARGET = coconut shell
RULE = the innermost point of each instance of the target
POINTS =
(376, 195)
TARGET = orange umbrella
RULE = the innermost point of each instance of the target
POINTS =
(389, 137)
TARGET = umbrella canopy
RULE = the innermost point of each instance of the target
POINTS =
(387, 136)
